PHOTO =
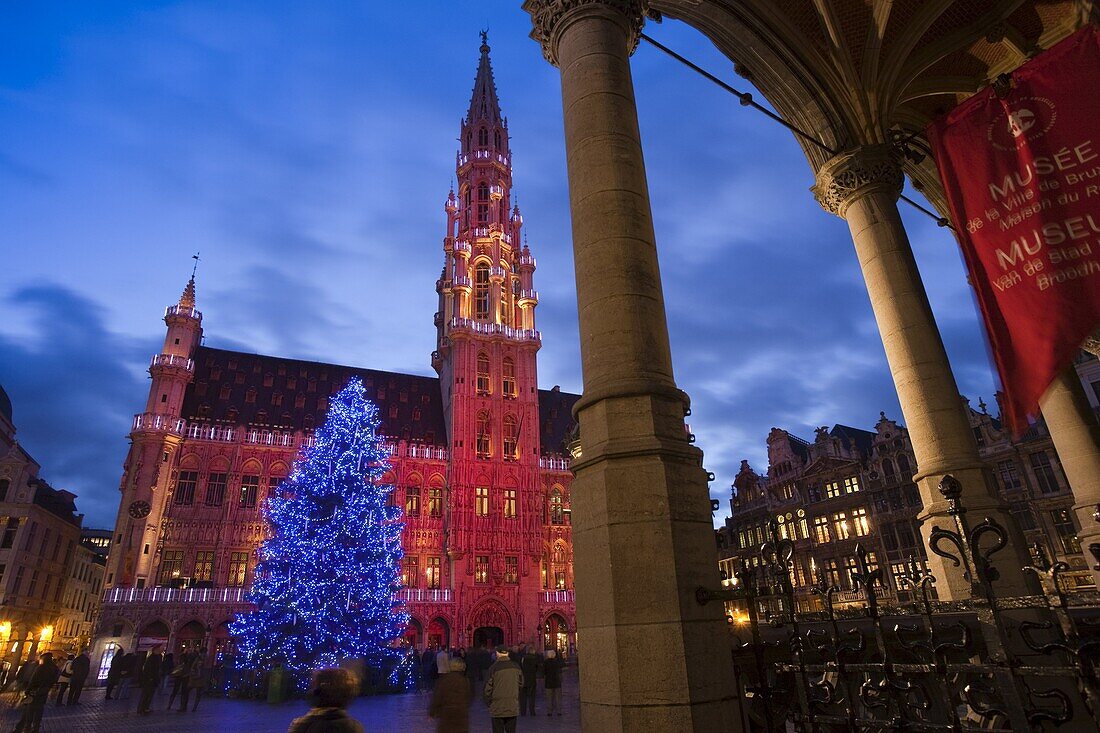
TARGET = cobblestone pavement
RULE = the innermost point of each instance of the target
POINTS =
(382, 714)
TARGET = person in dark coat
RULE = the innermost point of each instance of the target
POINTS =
(23, 676)
(178, 675)
(148, 679)
(331, 692)
(551, 673)
(196, 680)
(529, 663)
(450, 704)
(428, 668)
(82, 666)
(501, 692)
(114, 672)
(38, 692)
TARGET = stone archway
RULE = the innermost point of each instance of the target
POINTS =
(439, 633)
(153, 634)
(190, 637)
(555, 634)
(492, 622)
(413, 633)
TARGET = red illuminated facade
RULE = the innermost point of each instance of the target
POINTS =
(478, 453)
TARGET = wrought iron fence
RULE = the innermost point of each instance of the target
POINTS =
(988, 663)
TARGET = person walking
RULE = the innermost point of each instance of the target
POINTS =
(167, 664)
(529, 664)
(81, 667)
(450, 704)
(63, 679)
(428, 668)
(148, 679)
(196, 681)
(551, 681)
(23, 676)
(331, 692)
(501, 692)
(178, 675)
(37, 694)
(114, 672)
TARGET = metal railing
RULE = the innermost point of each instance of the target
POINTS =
(485, 327)
(164, 423)
(990, 662)
(553, 463)
(175, 595)
(528, 295)
(552, 597)
(179, 310)
(425, 595)
(281, 438)
(171, 360)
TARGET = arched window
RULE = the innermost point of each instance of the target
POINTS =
(483, 203)
(509, 378)
(469, 140)
(904, 468)
(484, 435)
(483, 137)
(412, 497)
(511, 438)
(483, 374)
(888, 470)
(481, 291)
(496, 139)
(557, 508)
(505, 308)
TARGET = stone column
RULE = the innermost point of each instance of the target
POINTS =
(1076, 436)
(862, 186)
(654, 659)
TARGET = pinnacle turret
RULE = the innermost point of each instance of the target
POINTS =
(187, 298)
(484, 106)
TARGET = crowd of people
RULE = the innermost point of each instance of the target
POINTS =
(185, 676)
(40, 675)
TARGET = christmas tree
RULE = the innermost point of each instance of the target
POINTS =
(324, 587)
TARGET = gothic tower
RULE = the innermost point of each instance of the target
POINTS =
(156, 435)
(487, 345)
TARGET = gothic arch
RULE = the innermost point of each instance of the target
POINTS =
(252, 466)
(219, 464)
(491, 612)
(190, 462)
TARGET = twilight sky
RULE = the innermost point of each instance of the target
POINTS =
(305, 149)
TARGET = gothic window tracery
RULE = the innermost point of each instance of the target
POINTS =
(483, 137)
(484, 434)
(481, 291)
(511, 438)
(508, 379)
(557, 508)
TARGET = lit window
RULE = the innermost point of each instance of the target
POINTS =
(511, 438)
(484, 435)
(511, 570)
(482, 374)
(171, 566)
(1066, 531)
(860, 522)
(851, 484)
(509, 379)
(840, 524)
(557, 509)
(412, 501)
(481, 291)
(481, 569)
(204, 566)
(821, 530)
(481, 501)
(435, 502)
(410, 572)
(432, 573)
(509, 503)
(832, 489)
(250, 487)
(238, 569)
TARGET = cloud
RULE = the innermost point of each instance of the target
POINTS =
(74, 391)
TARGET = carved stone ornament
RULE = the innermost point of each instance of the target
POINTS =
(1092, 343)
(854, 174)
(546, 16)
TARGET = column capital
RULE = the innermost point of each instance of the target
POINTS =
(855, 173)
(551, 17)
(1092, 343)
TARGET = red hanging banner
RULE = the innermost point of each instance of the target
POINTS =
(1022, 176)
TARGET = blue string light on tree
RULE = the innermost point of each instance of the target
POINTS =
(325, 585)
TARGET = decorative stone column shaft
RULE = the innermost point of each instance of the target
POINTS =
(654, 659)
(1076, 436)
(862, 187)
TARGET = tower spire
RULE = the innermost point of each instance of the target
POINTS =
(483, 102)
(187, 298)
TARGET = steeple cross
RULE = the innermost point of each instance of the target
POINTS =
(195, 268)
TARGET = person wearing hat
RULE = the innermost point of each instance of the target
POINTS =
(450, 704)
(501, 692)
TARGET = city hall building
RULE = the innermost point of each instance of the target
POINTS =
(479, 453)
